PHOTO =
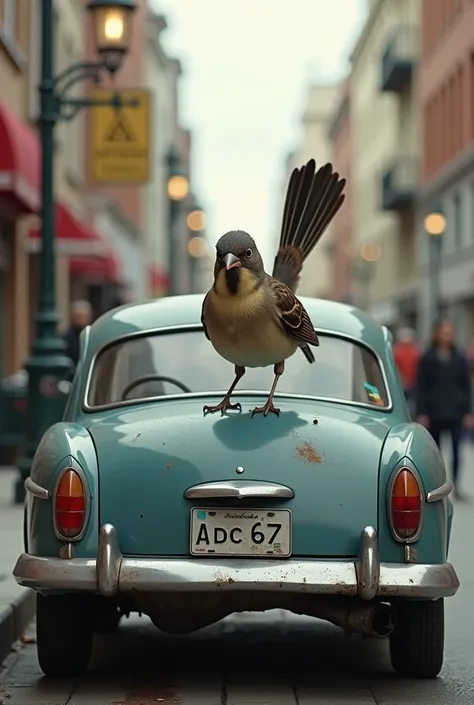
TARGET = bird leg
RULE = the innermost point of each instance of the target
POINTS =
(269, 406)
(225, 403)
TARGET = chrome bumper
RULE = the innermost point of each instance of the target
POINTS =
(111, 573)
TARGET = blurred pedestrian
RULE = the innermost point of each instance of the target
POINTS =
(443, 392)
(470, 362)
(407, 353)
(81, 316)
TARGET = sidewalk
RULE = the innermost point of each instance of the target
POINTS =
(17, 604)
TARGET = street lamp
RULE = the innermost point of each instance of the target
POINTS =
(177, 191)
(435, 227)
(197, 244)
(196, 220)
(48, 364)
(112, 20)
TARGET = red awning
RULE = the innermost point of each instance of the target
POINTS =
(103, 269)
(89, 254)
(158, 280)
(20, 162)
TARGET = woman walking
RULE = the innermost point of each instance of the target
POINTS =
(443, 392)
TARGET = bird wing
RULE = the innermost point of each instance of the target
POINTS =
(291, 313)
(202, 317)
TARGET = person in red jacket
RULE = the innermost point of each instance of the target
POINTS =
(407, 353)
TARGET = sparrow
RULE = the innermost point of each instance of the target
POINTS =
(253, 319)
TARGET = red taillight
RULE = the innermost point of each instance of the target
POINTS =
(406, 506)
(70, 504)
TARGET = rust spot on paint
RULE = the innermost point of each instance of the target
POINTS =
(168, 467)
(220, 581)
(307, 453)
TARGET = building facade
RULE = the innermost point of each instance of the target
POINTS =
(161, 78)
(342, 246)
(20, 197)
(315, 144)
(116, 209)
(385, 135)
(447, 104)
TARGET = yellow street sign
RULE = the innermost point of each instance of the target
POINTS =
(120, 139)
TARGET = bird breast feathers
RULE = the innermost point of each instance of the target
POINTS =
(244, 303)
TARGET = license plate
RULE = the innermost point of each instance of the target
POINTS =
(241, 532)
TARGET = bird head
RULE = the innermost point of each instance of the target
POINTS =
(238, 269)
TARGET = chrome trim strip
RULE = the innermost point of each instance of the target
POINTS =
(410, 554)
(368, 565)
(440, 492)
(395, 473)
(109, 561)
(36, 490)
(229, 574)
(114, 573)
(239, 489)
(87, 504)
(205, 395)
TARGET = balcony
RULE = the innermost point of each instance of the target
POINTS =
(399, 184)
(399, 59)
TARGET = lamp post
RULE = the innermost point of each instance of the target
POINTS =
(177, 190)
(435, 227)
(197, 245)
(48, 364)
(369, 255)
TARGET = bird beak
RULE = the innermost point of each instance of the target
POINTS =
(231, 261)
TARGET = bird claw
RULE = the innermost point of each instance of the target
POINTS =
(266, 409)
(222, 407)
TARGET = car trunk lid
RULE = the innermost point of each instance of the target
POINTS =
(150, 455)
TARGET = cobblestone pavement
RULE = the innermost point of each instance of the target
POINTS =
(253, 659)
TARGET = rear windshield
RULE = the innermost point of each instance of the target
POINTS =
(186, 362)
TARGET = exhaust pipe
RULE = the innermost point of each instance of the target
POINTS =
(376, 620)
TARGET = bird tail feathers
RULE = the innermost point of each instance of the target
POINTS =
(312, 200)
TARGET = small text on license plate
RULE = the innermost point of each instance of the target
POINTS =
(241, 532)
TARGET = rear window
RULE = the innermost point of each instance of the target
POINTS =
(186, 362)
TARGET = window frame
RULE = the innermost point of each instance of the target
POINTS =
(10, 18)
(9, 34)
(86, 385)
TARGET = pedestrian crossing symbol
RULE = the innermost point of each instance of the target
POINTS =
(120, 138)
(119, 131)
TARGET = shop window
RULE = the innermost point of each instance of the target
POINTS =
(9, 18)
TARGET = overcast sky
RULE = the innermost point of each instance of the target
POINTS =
(247, 65)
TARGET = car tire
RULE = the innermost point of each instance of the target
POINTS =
(417, 644)
(64, 634)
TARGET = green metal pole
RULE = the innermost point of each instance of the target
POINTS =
(173, 219)
(48, 364)
(435, 245)
(173, 216)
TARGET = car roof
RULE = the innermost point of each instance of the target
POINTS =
(185, 310)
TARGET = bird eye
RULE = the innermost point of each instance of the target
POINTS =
(249, 252)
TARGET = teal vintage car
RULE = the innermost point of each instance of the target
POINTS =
(137, 501)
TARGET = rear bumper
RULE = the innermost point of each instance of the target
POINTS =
(111, 574)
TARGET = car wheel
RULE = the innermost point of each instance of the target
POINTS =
(64, 635)
(417, 644)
